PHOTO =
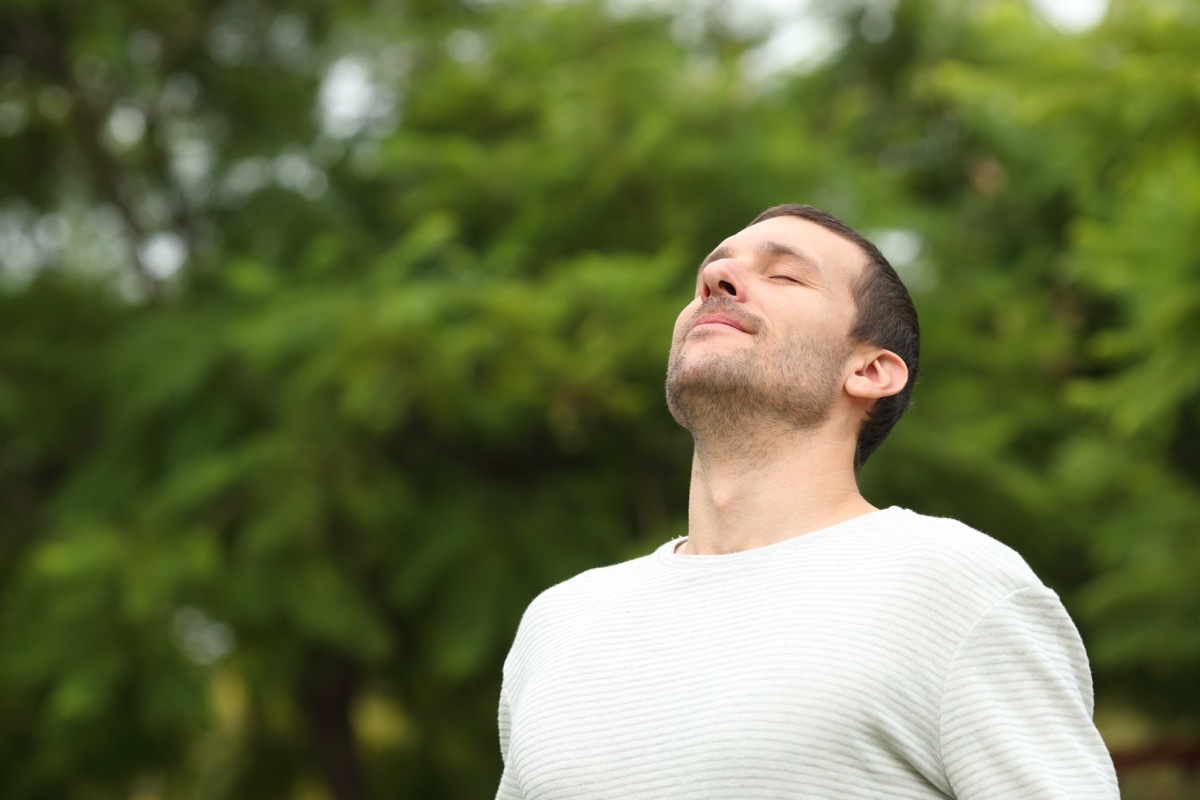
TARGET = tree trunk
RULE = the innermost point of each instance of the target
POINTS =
(330, 685)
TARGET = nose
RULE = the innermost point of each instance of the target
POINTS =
(720, 278)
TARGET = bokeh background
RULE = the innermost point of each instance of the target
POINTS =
(332, 333)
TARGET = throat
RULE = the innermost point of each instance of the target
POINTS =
(738, 504)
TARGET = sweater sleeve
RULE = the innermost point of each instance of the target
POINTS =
(508, 790)
(1016, 715)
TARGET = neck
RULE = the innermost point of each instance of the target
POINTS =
(760, 490)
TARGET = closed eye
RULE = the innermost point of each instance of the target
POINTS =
(787, 278)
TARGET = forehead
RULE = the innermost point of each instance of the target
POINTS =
(839, 260)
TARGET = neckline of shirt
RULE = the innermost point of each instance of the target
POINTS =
(666, 552)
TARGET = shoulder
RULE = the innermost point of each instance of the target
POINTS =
(575, 601)
(945, 565)
(594, 584)
(957, 548)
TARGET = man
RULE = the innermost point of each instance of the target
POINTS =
(799, 643)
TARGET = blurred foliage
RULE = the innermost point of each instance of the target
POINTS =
(331, 334)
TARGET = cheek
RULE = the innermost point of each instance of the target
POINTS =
(684, 316)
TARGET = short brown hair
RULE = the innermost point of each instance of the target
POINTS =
(886, 318)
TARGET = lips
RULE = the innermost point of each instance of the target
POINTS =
(719, 319)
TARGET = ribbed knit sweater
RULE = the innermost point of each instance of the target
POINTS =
(891, 656)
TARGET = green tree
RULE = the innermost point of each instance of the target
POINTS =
(330, 335)
(402, 383)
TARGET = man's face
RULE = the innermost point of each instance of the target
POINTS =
(768, 332)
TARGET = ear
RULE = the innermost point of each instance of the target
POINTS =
(880, 373)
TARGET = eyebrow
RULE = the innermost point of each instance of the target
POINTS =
(770, 249)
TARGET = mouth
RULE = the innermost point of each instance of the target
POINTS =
(706, 320)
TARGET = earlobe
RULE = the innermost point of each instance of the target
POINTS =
(882, 374)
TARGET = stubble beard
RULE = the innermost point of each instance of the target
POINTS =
(744, 397)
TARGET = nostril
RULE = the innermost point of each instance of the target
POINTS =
(728, 287)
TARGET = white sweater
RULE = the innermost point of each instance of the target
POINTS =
(891, 656)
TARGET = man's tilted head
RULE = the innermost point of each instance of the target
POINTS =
(797, 318)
